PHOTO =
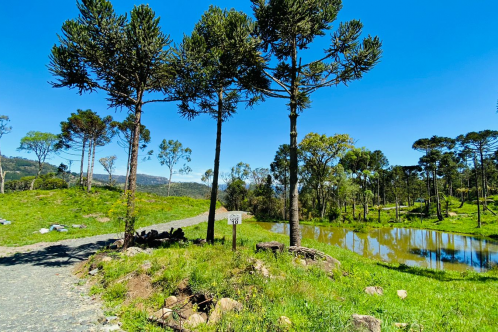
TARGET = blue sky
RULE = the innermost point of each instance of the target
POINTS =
(437, 76)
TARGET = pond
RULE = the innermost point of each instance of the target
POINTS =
(413, 247)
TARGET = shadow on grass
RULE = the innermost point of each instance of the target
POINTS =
(55, 255)
(440, 275)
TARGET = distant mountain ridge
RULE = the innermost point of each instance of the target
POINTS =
(18, 167)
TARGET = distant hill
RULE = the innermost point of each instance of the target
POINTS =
(142, 179)
(17, 167)
(189, 189)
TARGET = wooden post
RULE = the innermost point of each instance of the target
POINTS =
(234, 219)
(234, 237)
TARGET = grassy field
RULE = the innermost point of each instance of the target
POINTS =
(99, 210)
(313, 299)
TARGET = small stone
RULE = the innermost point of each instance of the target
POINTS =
(224, 305)
(162, 315)
(171, 301)
(366, 323)
(107, 259)
(146, 265)
(194, 320)
(402, 294)
(374, 290)
(93, 272)
(118, 243)
(111, 318)
(401, 325)
(284, 322)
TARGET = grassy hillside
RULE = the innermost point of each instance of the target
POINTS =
(312, 298)
(99, 210)
(20, 167)
(188, 189)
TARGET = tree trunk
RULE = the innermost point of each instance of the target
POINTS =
(90, 175)
(397, 208)
(132, 185)
(295, 231)
(285, 200)
(89, 165)
(128, 161)
(2, 177)
(214, 187)
(82, 162)
(40, 166)
(477, 193)
(169, 180)
(483, 179)
(438, 201)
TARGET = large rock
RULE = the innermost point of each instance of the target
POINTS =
(374, 290)
(402, 294)
(132, 251)
(273, 246)
(162, 316)
(224, 305)
(284, 322)
(194, 320)
(171, 301)
(366, 323)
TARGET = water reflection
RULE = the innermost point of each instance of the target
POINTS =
(413, 247)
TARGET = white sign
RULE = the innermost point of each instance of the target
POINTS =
(235, 219)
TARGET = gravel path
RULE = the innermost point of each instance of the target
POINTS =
(38, 291)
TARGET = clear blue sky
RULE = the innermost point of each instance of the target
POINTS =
(437, 76)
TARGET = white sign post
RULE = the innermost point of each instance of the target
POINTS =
(234, 219)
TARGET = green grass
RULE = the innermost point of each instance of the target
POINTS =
(31, 210)
(312, 299)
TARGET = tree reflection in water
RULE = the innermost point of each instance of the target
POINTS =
(413, 247)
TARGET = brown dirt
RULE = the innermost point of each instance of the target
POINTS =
(139, 286)
(92, 215)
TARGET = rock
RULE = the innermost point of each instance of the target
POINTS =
(284, 322)
(194, 320)
(366, 323)
(110, 328)
(162, 315)
(93, 272)
(183, 286)
(79, 226)
(374, 290)
(273, 246)
(118, 243)
(107, 259)
(261, 268)
(146, 266)
(224, 305)
(402, 294)
(314, 254)
(409, 327)
(199, 241)
(44, 230)
(171, 301)
(452, 214)
(132, 251)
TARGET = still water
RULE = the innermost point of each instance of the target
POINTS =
(413, 247)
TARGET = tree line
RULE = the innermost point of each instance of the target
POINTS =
(338, 180)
